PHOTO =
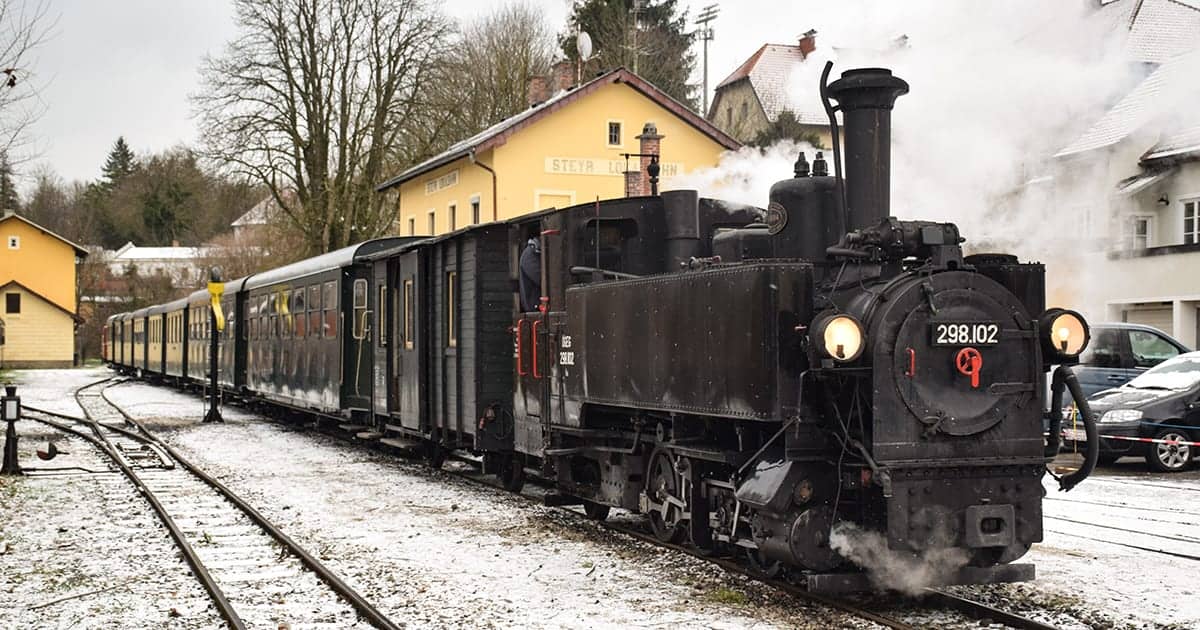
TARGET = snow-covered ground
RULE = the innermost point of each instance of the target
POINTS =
(433, 550)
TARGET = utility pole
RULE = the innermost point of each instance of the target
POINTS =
(707, 14)
(638, 7)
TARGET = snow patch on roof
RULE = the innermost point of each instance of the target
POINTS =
(770, 71)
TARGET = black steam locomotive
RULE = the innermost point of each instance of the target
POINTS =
(750, 380)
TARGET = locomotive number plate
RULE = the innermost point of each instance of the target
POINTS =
(964, 333)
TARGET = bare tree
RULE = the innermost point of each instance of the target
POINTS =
(492, 60)
(24, 26)
(309, 98)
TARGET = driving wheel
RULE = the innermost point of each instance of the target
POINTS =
(661, 484)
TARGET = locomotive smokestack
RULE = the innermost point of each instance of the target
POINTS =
(866, 96)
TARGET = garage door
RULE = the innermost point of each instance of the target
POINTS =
(1158, 317)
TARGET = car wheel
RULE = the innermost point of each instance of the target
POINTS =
(1166, 457)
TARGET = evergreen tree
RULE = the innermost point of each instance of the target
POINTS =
(658, 48)
(786, 127)
(119, 165)
(8, 189)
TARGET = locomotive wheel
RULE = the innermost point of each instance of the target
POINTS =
(662, 482)
(512, 472)
(1170, 457)
(595, 511)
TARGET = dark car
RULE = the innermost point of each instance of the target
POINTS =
(1120, 352)
(1162, 404)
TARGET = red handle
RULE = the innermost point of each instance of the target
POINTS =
(912, 363)
(533, 336)
(520, 349)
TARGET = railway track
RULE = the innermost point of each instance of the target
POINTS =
(255, 574)
(939, 600)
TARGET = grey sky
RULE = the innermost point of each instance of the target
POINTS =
(126, 67)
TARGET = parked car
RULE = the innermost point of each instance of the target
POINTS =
(1119, 352)
(1163, 403)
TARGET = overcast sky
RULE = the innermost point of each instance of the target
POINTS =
(126, 67)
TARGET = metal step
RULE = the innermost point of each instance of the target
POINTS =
(400, 443)
(368, 435)
(352, 427)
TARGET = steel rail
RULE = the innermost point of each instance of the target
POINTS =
(985, 612)
(189, 553)
(360, 604)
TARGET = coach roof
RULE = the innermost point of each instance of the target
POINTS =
(335, 259)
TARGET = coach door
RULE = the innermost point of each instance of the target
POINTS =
(379, 304)
(408, 366)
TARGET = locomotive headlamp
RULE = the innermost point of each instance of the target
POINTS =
(840, 337)
(1065, 333)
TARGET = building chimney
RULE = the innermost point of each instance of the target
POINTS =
(633, 183)
(808, 43)
(563, 73)
(538, 91)
(649, 144)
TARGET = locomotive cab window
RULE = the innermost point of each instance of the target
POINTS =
(452, 309)
(360, 309)
(604, 243)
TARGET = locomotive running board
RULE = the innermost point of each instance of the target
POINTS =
(857, 582)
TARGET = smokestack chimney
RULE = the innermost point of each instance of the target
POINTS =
(537, 91)
(865, 97)
(808, 42)
(649, 144)
(564, 75)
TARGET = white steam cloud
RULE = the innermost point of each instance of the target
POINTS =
(997, 88)
(895, 570)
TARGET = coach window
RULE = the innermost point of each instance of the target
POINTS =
(299, 314)
(452, 309)
(408, 314)
(360, 309)
(381, 316)
(285, 315)
(314, 311)
(329, 304)
(273, 322)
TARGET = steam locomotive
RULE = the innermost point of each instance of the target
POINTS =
(750, 380)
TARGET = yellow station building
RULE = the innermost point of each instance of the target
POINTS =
(37, 288)
(568, 148)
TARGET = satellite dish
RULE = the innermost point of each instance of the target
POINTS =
(583, 43)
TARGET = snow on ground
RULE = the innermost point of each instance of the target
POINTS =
(436, 551)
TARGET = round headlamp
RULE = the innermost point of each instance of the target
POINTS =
(839, 337)
(1065, 334)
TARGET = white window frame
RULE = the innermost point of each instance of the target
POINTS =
(14, 242)
(432, 221)
(1194, 234)
(452, 214)
(620, 133)
(412, 226)
(476, 204)
(538, 192)
(1131, 235)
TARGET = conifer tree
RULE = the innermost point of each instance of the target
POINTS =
(8, 189)
(120, 164)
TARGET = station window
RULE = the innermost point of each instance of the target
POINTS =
(329, 304)
(1191, 221)
(614, 133)
(452, 309)
(12, 303)
(14, 242)
(408, 314)
(360, 309)
(453, 217)
(412, 226)
(475, 210)
(381, 307)
(432, 222)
